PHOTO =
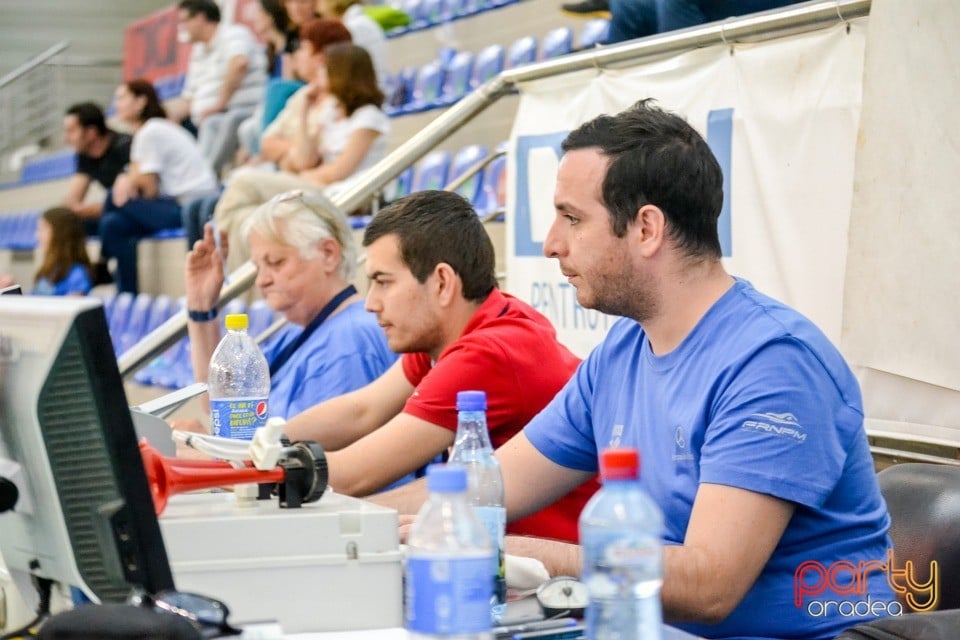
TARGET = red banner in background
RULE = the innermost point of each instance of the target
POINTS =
(150, 47)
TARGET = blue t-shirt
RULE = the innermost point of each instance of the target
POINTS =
(755, 397)
(346, 352)
(76, 282)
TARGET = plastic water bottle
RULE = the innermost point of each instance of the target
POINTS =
(620, 532)
(238, 382)
(472, 450)
(448, 586)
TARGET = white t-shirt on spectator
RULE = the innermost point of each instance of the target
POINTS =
(338, 129)
(366, 33)
(166, 149)
(208, 69)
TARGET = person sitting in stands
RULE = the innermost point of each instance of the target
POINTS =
(349, 136)
(433, 289)
(166, 168)
(64, 266)
(306, 258)
(102, 155)
(226, 75)
(364, 30)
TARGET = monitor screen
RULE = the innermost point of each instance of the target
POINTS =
(74, 498)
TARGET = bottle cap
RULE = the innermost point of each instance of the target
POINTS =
(443, 478)
(620, 464)
(472, 401)
(236, 321)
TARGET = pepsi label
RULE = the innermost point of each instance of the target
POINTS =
(238, 417)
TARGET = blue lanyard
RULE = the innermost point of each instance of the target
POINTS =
(328, 309)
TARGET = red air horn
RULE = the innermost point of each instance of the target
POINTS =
(300, 475)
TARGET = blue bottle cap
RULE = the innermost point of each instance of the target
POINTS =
(442, 478)
(472, 401)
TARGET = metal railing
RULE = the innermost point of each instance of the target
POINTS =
(30, 99)
(766, 25)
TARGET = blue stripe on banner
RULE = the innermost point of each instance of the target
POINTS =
(720, 140)
(524, 244)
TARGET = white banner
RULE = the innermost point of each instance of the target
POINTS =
(781, 117)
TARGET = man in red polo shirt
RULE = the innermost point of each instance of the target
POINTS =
(433, 288)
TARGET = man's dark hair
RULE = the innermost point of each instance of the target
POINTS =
(89, 114)
(208, 8)
(657, 158)
(434, 227)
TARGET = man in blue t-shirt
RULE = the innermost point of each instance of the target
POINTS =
(748, 420)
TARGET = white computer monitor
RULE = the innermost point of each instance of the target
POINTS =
(76, 507)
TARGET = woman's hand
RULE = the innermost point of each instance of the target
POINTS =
(123, 190)
(203, 275)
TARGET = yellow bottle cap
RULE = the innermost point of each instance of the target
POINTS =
(237, 321)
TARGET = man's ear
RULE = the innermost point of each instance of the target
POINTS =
(447, 284)
(649, 230)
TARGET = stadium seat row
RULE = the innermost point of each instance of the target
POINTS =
(18, 230)
(130, 318)
(441, 82)
(429, 13)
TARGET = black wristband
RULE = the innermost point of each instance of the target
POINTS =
(202, 316)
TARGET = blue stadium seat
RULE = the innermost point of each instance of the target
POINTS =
(403, 91)
(117, 320)
(557, 42)
(489, 63)
(493, 176)
(456, 83)
(167, 234)
(18, 232)
(133, 330)
(594, 32)
(426, 89)
(523, 51)
(170, 86)
(432, 171)
(413, 9)
(463, 160)
(400, 186)
(160, 366)
(59, 165)
(430, 14)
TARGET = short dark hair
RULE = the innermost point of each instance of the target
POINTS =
(657, 158)
(352, 78)
(434, 227)
(89, 114)
(208, 8)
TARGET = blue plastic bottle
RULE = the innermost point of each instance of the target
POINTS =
(621, 535)
(448, 586)
(472, 450)
(238, 383)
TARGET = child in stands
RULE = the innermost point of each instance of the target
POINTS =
(65, 268)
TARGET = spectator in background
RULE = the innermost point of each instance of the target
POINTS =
(65, 267)
(270, 23)
(166, 168)
(299, 12)
(364, 30)
(631, 19)
(306, 259)
(341, 133)
(225, 79)
(102, 155)
(279, 140)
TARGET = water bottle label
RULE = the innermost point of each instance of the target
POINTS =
(448, 594)
(238, 417)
